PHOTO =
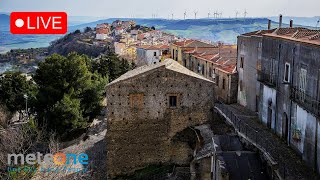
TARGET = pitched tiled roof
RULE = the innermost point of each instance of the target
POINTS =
(258, 33)
(303, 35)
(168, 64)
(223, 58)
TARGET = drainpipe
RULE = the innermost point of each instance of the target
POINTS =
(316, 149)
(291, 84)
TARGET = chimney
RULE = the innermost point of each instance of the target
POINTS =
(291, 23)
(269, 24)
(280, 20)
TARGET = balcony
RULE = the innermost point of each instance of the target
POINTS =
(267, 78)
(306, 101)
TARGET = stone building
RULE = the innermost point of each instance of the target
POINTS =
(217, 64)
(289, 90)
(147, 107)
(248, 64)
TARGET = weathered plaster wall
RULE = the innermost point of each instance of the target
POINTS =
(268, 95)
(249, 48)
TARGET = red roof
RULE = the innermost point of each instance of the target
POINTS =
(223, 58)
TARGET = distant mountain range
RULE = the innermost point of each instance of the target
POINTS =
(225, 30)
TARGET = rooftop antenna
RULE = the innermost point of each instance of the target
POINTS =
(245, 13)
(184, 15)
(195, 14)
(237, 14)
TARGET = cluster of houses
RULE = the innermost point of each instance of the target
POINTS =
(133, 42)
(273, 72)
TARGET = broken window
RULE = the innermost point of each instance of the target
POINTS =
(173, 101)
(302, 83)
(286, 72)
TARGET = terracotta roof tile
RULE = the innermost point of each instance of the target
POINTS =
(302, 35)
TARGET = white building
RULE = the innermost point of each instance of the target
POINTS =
(148, 54)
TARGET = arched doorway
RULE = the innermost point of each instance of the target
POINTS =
(285, 126)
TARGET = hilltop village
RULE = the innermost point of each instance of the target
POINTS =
(194, 109)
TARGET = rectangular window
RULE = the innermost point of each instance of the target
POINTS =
(241, 86)
(217, 80)
(202, 69)
(286, 72)
(241, 62)
(173, 101)
(223, 83)
(154, 53)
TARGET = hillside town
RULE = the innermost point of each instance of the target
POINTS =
(181, 108)
(261, 87)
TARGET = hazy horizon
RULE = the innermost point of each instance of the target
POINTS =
(165, 8)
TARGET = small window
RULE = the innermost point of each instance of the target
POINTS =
(173, 101)
(286, 72)
(223, 83)
(217, 80)
(241, 62)
(202, 69)
(154, 53)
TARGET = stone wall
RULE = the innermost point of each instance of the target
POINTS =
(141, 123)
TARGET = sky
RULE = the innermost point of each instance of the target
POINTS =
(165, 8)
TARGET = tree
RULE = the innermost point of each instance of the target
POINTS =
(110, 65)
(153, 28)
(77, 31)
(13, 87)
(87, 29)
(69, 92)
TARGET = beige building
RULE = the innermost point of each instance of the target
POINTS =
(178, 47)
(217, 64)
(147, 107)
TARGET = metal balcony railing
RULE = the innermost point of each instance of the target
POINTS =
(268, 78)
(306, 101)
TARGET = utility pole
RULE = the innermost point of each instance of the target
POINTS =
(26, 98)
(213, 160)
